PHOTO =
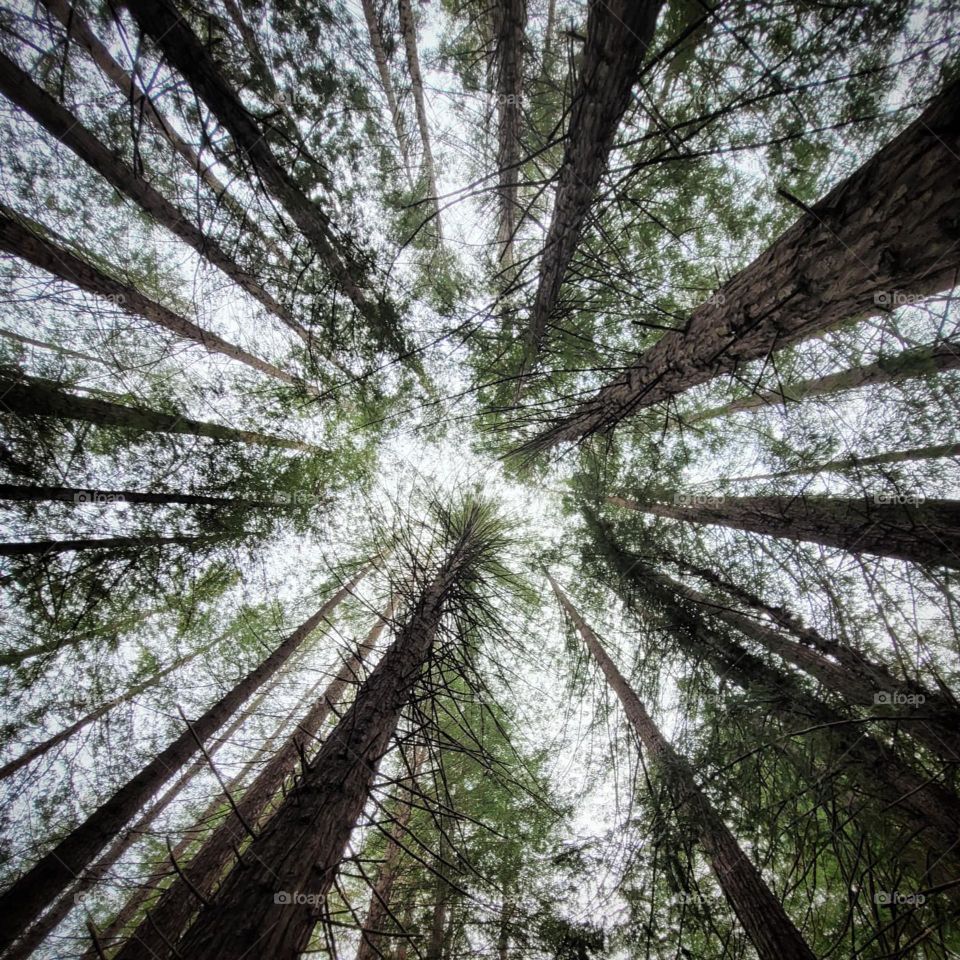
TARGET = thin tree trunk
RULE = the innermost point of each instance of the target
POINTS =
(379, 910)
(548, 33)
(47, 745)
(925, 533)
(65, 127)
(834, 263)
(274, 899)
(25, 243)
(162, 22)
(49, 547)
(925, 808)
(386, 82)
(34, 397)
(48, 878)
(53, 917)
(909, 365)
(618, 35)
(408, 27)
(935, 452)
(760, 913)
(169, 917)
(56, 348)
(22, 493)
(503, 930)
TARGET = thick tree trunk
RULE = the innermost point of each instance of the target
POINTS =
(22, 493)
(25, 243)
(509, 25)
(48, 878)
(761, 914)
(379, 910)
(887, 230)
(275, 899)
(68, 901)
(926, 809)
(49, 547)
(168, 918)
(925, 533)
(909, 365)
(386, 83)
(162, 22)
(34, 397)
(618, 35)
(64, 126)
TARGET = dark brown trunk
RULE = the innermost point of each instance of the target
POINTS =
(46, 880)
(925, 532)
(761, 914)
(23, 493)
(48, 548)
(296, 857)
(832, 265)
(26, 243)
(170, 916)
(618, 34)
(33, 397)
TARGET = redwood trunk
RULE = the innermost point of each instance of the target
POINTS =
(23, 493)
(925, 533)
(888, 228)
(48, 878)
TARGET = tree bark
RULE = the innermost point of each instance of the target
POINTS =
(34, 397)
(169, 917)
(46, 548)
(162, 22)
(25, 243)
(55, 347)
(887, 229)
(909, 365)
(925, 533)
(48, 878)
(760, 913)
(408, 27)
(618, 35)
(298, 853)
(22, 493)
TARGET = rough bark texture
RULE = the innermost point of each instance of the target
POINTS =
(408, 27)
(54, 872)
(761, 914)
(161, 21)
(170, 916)
(925, 533)
(34, 397)
(889, 228)
(618, 34)
(48, 547)
(299, 851)
(35, 493)
(909, 365)
(22, 242)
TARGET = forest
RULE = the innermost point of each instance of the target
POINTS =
(479, 479)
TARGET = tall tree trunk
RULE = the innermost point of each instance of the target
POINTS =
(935, 452)
(162, 22)
(408, 27)
(503, 929)
(386, 83)
(169, 917)
(834, 263)
(925, 808)
(909, 365)
(925, 533)
(34, 493)
(441, 901)
(509, 24)
(133, 691)
(113, 544)
(379, 910)
(25, 243)
(299, 851)
(760, 913)
(55, 347)
(618, 35)
(65, 127)
(54, 872)
(52, 918)
(34, 397)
